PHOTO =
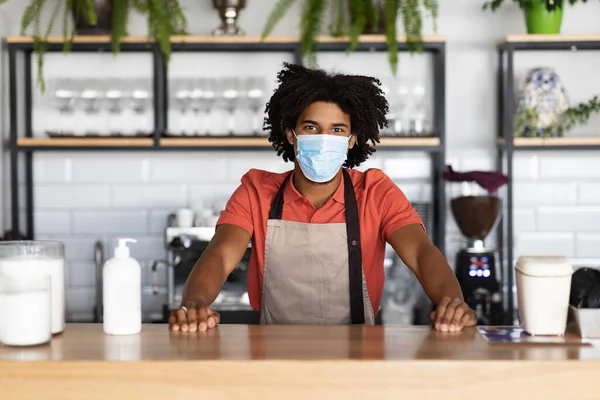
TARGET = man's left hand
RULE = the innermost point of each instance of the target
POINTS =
(452, 315)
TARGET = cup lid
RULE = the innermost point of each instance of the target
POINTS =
(549, 266)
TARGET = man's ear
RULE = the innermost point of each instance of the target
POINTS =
(352, 141)
(290, 136)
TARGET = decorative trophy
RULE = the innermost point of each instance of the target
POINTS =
(229, 10)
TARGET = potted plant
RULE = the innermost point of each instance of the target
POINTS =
(541, 16)
(165, 18)
(355, 17)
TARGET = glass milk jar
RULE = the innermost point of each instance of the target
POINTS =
(38, 258)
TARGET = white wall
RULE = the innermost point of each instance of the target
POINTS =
(83, 197)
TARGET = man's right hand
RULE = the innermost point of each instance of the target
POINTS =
(195, 319)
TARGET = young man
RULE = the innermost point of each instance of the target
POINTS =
(319, 231)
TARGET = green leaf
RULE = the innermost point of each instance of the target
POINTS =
(89, 11)
(433, 7)
(158, 26)
(372, 12)
(119, 23)
(312, 15)
(31, 14)
(338, 28)
(275, 16)
(413, 24)
(391, 13)
(358, 12)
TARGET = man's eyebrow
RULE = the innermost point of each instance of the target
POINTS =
(309, 121)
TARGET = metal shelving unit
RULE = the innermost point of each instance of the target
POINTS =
(22, 142)
(507, 144)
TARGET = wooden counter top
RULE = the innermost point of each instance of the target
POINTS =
(257, 362)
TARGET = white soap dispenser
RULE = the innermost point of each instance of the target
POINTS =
(122, 292)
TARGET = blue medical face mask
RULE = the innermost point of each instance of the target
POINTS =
(321, 156)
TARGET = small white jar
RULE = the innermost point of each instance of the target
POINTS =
(543, 287)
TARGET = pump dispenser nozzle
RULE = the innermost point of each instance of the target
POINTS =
(122, 251)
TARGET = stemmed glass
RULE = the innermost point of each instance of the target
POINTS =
(202, 97)
(419, 123)
(230, 96)
(255, 88)
(64, 97)
(141, 102)
(114, 96)
(88, 116)
(179, 104)
(402, 127)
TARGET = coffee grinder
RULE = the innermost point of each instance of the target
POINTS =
(476, 210)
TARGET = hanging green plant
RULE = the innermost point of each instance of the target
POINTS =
(165, 18)
(353, 18)
(526, 120)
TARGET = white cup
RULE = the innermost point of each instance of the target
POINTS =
(25, 310)
(185, 217)
(543, 288)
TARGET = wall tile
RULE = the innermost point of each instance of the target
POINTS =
(81, 274)
(589, 193)
(51, 168)
(575, 166)
(161, 274)
(150, 196)
(570, 219)
(547, 193)
(524, 220)
(157, 221)
(408, 167)
(115, 168)
(525, 167)
(81, 300)
(68, 197)
(188, 167)
(208, 193)
(545, 244)
(79, 248)
(267, 161)
(51, 223)
(120, 223)
(588, 245)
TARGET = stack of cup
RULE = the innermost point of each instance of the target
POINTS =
(32, 292)
(543, 287)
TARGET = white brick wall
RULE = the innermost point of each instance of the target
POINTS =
(557, 205)
(83, 198)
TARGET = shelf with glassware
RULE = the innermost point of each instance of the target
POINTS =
(198, 108)
(518, 127)
(164, 113)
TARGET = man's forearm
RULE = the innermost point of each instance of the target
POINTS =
(205, 281)
(436, 276)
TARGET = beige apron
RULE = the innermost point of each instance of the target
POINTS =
(313, 272)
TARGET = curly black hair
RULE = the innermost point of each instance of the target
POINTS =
(358, 96)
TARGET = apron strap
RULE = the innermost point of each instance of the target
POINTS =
(277, 205)
(357, 307)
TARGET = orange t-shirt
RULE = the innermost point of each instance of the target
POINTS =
(382, 208)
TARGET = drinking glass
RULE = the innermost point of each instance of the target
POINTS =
(230, 97)
(255, 88)
(25, 310)
(63, 100)
(113, 105)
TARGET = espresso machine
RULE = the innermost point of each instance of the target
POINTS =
(184, 246)
(477, 210)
